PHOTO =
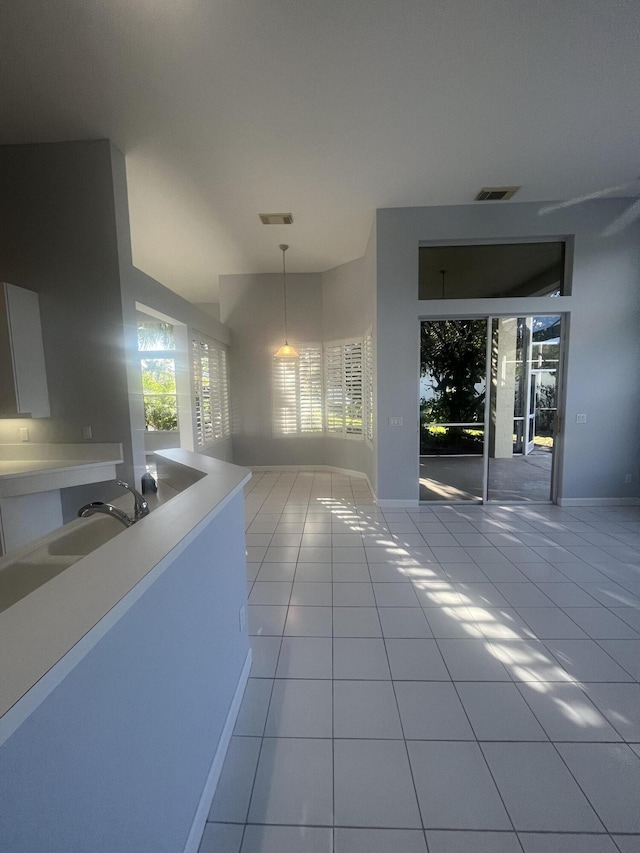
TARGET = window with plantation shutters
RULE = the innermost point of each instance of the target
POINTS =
(323, 390)
(353, 388)
(211, 386)
(334, 388)
(368, 387)
(344, 389)
(219, 373)
(297, 392)
(310, 385)
(285, 396)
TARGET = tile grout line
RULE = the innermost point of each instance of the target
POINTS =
(262, 739)
(338, 494)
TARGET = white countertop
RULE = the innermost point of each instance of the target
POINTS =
(28, 468)
(38, 631)
(19, 467)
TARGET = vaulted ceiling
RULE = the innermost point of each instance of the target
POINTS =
(327, 109)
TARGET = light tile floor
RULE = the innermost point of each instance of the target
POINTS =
(442, 679)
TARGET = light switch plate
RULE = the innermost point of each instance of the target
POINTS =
(581, 419)
(395, 421)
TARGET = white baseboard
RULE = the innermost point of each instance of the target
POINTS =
(209, 790)
(373, 491)
(350, 473)
(598, 501)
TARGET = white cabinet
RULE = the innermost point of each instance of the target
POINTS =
(23, 377)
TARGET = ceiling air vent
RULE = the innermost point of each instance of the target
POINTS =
(276, 218)
(496, 193)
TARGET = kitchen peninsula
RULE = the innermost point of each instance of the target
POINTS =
(121, 677)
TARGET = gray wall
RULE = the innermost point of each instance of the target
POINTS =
(137, 286)
(116, 758)
(348, 311)
(57, 222)
(64, 222)
(602, 376)
(252, 308)
(333, 305)
(370, 264)
(212, 308)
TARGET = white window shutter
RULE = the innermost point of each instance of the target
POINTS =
(310, 389)
(211, 383)
(334, 388)
(368, 386)
(216, 393)
(297, 392)
(284, 385)
(225, 394)
(353, 388)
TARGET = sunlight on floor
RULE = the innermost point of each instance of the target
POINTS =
(468, 667)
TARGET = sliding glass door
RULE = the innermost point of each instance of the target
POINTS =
(489, 392)
(453, 387)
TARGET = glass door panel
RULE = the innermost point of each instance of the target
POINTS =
(453, 383)
(525, 361)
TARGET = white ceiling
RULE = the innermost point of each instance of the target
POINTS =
(327, 109)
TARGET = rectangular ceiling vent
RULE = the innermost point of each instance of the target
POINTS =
(276, 218)
(496, 193)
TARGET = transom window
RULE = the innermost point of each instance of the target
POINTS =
(492, 270)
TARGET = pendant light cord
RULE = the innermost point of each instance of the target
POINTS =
(283, 247)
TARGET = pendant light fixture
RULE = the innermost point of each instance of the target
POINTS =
(285, 350)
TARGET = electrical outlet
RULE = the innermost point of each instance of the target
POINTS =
(628, 478)
(242, 618)
(87, 432)
(24, 434)
(581, 419)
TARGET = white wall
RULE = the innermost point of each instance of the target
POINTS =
(602, 376)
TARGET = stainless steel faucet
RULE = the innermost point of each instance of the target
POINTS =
(105, 509)
(141, 507)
